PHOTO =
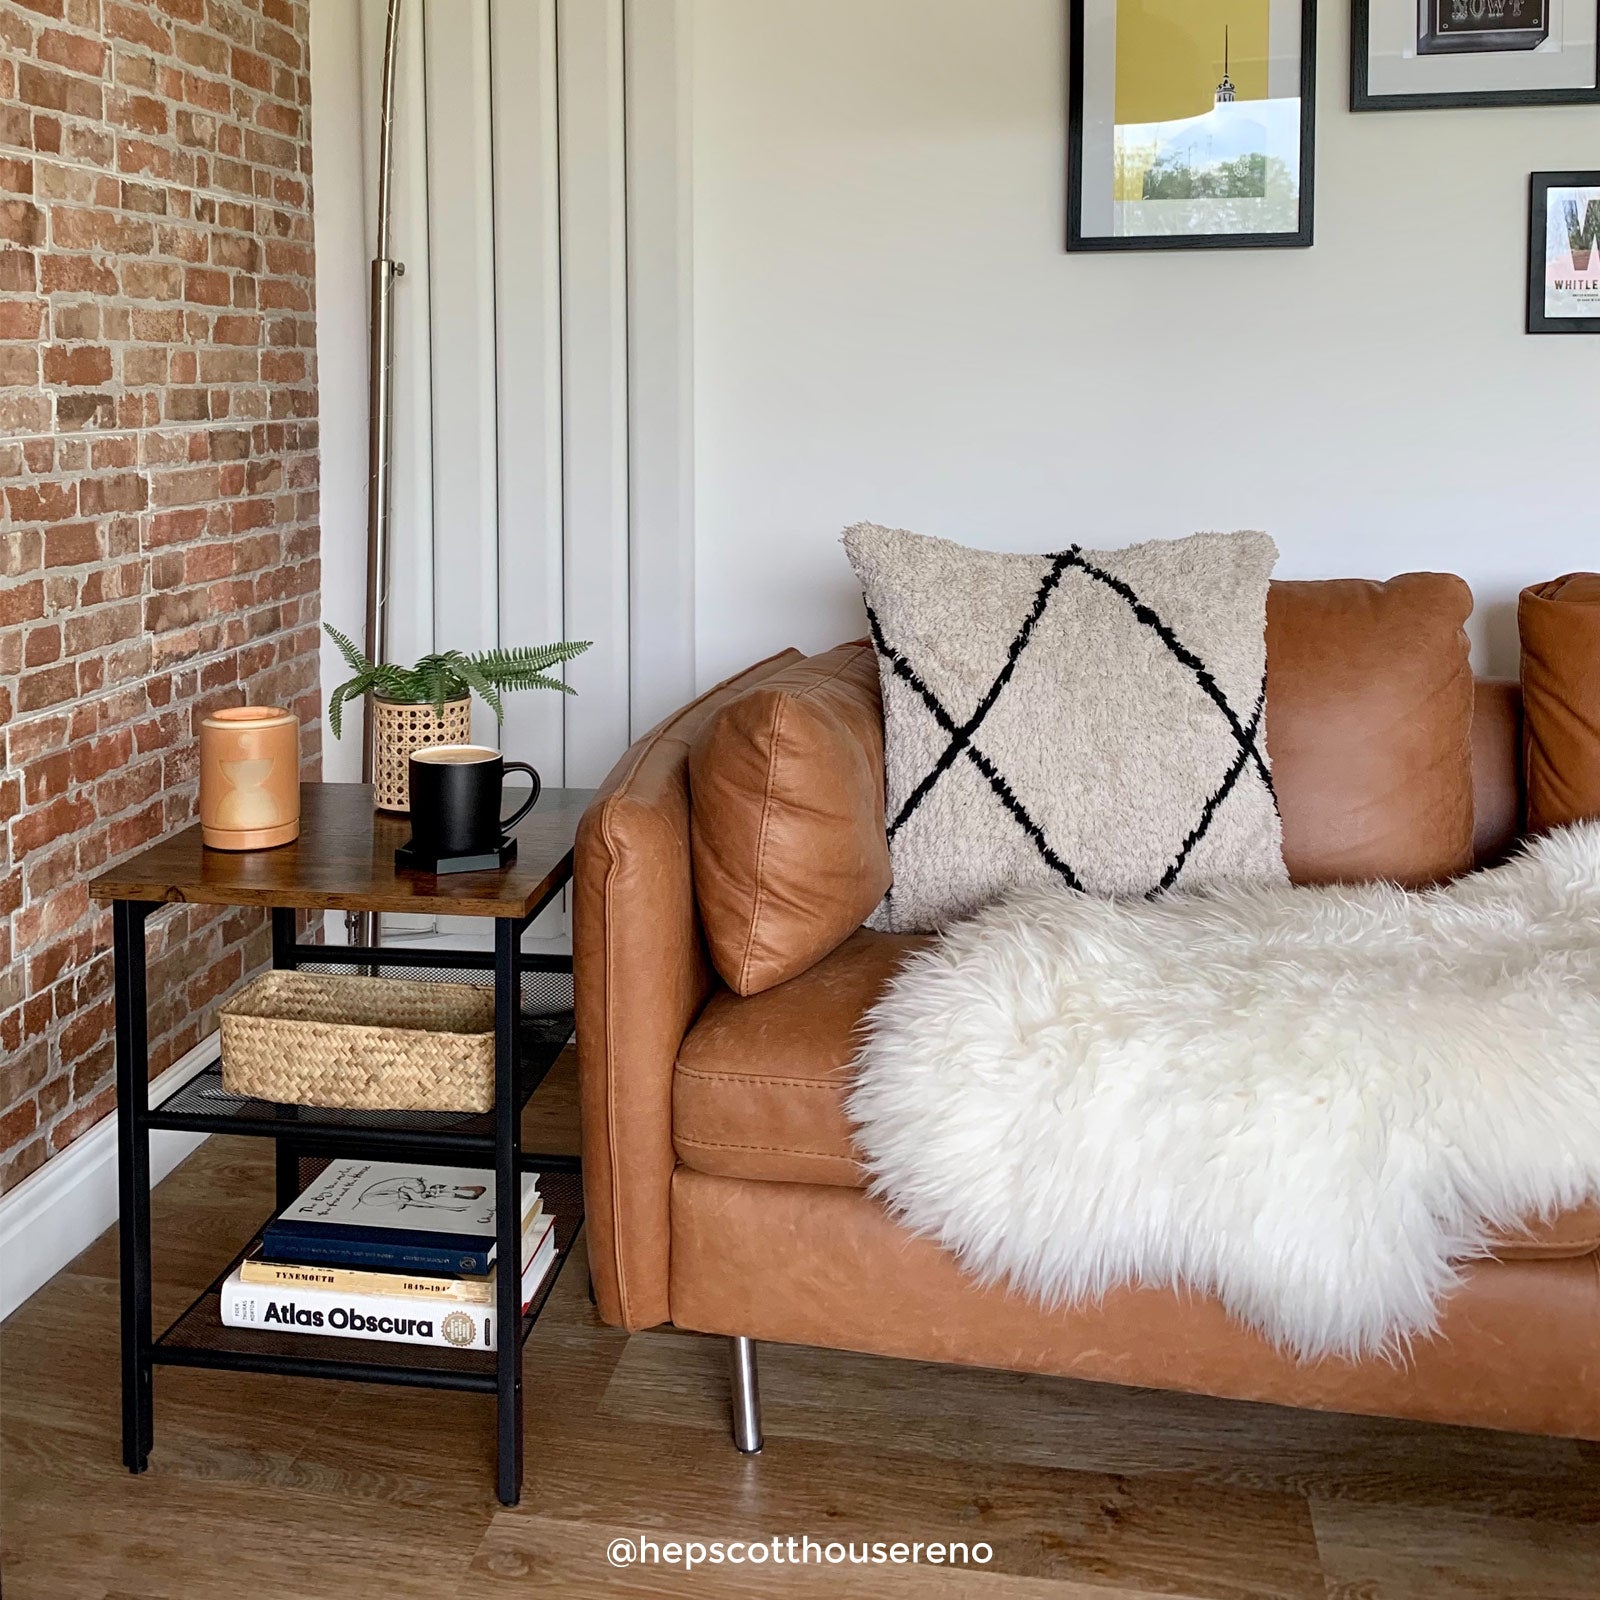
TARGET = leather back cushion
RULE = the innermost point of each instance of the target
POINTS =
(1369, 726)
(786, 785)
(1496, 770)
(1560, 625)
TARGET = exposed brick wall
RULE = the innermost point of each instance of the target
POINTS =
(158, 473)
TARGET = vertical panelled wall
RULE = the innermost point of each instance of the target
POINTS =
(542, 381)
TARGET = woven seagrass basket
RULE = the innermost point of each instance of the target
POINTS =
(397, 730)
(365, 1044)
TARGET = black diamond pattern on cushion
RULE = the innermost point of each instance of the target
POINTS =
(962, 743)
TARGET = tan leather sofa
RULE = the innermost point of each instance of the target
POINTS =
(723, 1193)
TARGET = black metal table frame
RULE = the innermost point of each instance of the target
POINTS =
(135, 1122)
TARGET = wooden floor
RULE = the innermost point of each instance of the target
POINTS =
(265, 1487)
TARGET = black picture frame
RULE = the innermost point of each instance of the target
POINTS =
(1363, 99)
(1299, 239)
(1539, 186)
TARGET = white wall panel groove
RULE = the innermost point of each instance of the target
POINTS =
(411, 619)
(462, 296)
(522, 36)
(594, 356)
(658, 63)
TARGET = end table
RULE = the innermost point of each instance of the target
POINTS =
(344, 861)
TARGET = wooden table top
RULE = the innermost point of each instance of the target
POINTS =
(344, 861)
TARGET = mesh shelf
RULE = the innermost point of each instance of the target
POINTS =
(202, 1105)
(199, 1339)
(542, 992)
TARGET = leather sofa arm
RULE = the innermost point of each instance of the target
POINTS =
(640, 977)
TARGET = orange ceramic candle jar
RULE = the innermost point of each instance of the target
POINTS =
(249, 778)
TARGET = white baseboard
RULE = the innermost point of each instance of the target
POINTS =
(72, 1199)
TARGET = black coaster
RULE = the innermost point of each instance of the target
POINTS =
(409, 859)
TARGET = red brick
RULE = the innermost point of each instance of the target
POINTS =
(21, 602)
(49, 686)
(76, 274)
(139, 113)
(19, 272)
(81, 228)
(77, 366)
(44, 502)
(80, 1121)
(75, 51)
(46, 964)
(18, 1123)
(22, 1162)
(19, 366)
(24, 319)
(86, 1030)
(96, 757)
(86, 411)
(137, 25)
(125, 491)
(42, 646)
(129, 787)
(205, 287)
(129, 833)
(29, 739)
(58, 91)
(49, 823)
(177, 527)
(48, 870)
(234, 330)
(101, 627)
(16, 175)
(72, 545)
(75, 324)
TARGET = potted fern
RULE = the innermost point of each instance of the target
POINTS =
(431, 702)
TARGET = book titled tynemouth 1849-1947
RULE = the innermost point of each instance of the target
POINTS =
(398, 1319)
(476, 1289)
(385, 1216)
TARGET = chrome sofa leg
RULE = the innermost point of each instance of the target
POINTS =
(746, 1395)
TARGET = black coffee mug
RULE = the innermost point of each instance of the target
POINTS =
(456, 799)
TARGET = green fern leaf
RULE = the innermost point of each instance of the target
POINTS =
(354, 657)
(469, 673)
(345, 691)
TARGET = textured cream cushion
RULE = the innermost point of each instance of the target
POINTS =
(1092, 718)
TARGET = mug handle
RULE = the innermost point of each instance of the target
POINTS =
(507, 823)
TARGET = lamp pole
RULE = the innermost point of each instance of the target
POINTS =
(364, 927)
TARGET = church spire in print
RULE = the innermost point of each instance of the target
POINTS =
(1226, 94)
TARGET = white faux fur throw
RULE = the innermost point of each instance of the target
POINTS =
(1311, 1103)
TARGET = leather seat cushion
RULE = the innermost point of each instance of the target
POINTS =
(760, 1083)
(760, 1087)
(1369, 726)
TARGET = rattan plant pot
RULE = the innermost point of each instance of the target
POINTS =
(397, 730)
(364, 1044)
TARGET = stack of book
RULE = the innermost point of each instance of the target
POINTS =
(384, 1250)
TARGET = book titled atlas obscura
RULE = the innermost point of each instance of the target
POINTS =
(394, 1217)
(398, 1319)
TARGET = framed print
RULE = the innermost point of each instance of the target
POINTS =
(1190, 124)
(1564, 252)
(1413, 55)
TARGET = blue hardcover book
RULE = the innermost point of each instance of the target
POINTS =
(394, 1217)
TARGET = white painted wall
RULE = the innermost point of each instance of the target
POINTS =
(338, 161)
(887, 327)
